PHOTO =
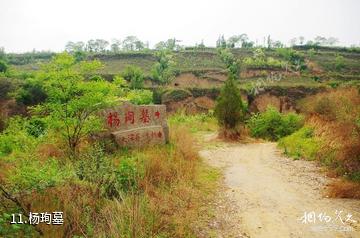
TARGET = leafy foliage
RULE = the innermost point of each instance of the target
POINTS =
(259, 60)
(232, 64)
(3, 66)
(273, 125)
(31, 93)
(229, 109)
(135, 76)
(295, 58)
(140, 97)
(6, 87)
(301, 144)
(163, 70)
(339, 62)
(72, 102)
(15, 138)
(31, 175)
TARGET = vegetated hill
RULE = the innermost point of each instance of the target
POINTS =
(265, 73)
(336, 63)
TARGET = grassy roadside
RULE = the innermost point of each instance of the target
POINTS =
(331, 136)
(160, 191)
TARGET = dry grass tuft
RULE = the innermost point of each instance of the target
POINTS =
(50, 150)
(344, 189)
(335, 115)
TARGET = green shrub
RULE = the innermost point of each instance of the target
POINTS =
(120, 82)
(163, 71)
(339, 62)
(95, 167)
(128, 173)
(175, 95)
(259, 60)
(140, 97)
(31, 93)
(232, 64)
(3, 66)
(96, 78)
(300, 144)
(295, 58)
(273, 125)
(31, 174)
(229, 108)
(6, 86)
(36, 127)
(135, 76)
(16, 138)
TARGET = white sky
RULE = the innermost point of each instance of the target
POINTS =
(49, 24)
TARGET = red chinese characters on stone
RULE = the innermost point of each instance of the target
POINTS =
(157, 114)
(113, 119)
(134, 137)
(145, 118)
(130, 117)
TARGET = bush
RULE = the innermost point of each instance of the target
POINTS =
(163, 70)
(339, 62)
(128, 174)
(232, 64)
(273, 125)
(259, 60)
(31, 174)
(31, 93)
(6, 86)
(301, 144)
(229, 108)
(175, 95)
(135, 76)
(3, 66)
(140, 97)
(334, 115)
(15, 137)
(295, 58)
(36, 127)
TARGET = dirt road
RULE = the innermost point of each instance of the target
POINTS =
(269, 194)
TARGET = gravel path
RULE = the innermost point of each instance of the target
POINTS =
(266, 194)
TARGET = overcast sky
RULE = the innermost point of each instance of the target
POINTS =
(49, 24)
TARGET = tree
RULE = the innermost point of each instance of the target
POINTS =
(135, 76)
(201, 45)
(239, 41)
(131, 43)
(221, 42)
(301, 40)
(169, 44)
(269, 42)
(320, 40)
(232, 64)
(163, 70)
(97, 46)
(73, 102)
(72, 47)
(229, 108)
(3, 66)
(115, 46)
(233, 41)
(339, 62)
(332, 41)
(31, 93)
(2, 54)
